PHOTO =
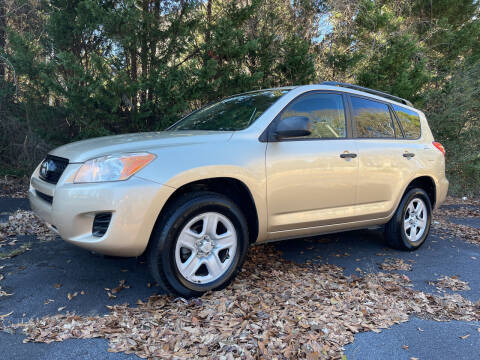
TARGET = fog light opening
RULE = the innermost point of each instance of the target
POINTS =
(101, 223)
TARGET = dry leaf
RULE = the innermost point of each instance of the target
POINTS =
(450, 282)
(395, 264)
(24, 222)
(122, 285)
(6, 315)
(274, 309)
(444, 227)
(71, 296)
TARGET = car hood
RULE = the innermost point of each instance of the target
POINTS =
(81, 151)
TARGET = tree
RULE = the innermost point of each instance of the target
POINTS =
(96, 67)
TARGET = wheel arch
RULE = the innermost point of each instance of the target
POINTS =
(230, 187)
(427, 183)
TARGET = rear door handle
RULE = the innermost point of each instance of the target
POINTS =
(348, 155)
(408, 155)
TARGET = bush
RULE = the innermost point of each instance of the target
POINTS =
(453, 117)
(21, 149)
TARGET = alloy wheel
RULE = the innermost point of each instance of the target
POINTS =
(415, 220)
(205, 248)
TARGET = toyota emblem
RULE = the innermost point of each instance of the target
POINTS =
(47, 165)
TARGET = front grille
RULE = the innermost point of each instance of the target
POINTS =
(45, 197)
(52, 168)
(100, 224)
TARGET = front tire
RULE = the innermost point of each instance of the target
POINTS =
(410, 225)
(199, 244)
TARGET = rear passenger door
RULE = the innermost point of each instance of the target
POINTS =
(385, 165)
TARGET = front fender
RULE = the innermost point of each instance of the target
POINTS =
(242, 160)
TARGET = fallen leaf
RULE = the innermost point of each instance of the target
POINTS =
(274, 309)
(395, 264)
(450, 282)
(6, 315)
(69, 297)
(122, 285)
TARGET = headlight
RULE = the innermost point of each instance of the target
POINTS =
(112, 167)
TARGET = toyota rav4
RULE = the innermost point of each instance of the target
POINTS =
(261, 166)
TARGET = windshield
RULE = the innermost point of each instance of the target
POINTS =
(233, 113)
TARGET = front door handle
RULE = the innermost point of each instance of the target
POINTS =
(348, 155)
(408, 155)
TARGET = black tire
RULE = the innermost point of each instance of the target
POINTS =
(161, 249)
(395, 234)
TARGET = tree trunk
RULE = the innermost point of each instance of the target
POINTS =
(144, 46)
(3, 35)
(209, 19)
(153, 43)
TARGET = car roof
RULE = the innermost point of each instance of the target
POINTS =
(312, 87)
(353, 91)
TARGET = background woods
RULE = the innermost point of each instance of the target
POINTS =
(72, 69)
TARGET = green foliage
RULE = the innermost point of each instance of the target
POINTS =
(116, 66)
(396, 68)
(89, 68)
(453, 115)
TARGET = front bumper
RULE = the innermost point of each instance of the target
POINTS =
(134, 204)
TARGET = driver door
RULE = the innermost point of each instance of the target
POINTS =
(310, 181)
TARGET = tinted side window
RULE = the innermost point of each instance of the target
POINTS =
(325, 111)
(409, 120)
(372, 119)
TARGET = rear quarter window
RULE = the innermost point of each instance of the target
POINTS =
(410, 122)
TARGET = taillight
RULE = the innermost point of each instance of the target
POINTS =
(439, 147)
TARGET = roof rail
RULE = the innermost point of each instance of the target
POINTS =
(371, 91)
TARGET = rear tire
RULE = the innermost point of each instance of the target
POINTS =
(199, 244)
(410, 225)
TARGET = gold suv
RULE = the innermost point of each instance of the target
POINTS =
(265, 165)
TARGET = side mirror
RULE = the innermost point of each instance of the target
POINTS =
(293, 126)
